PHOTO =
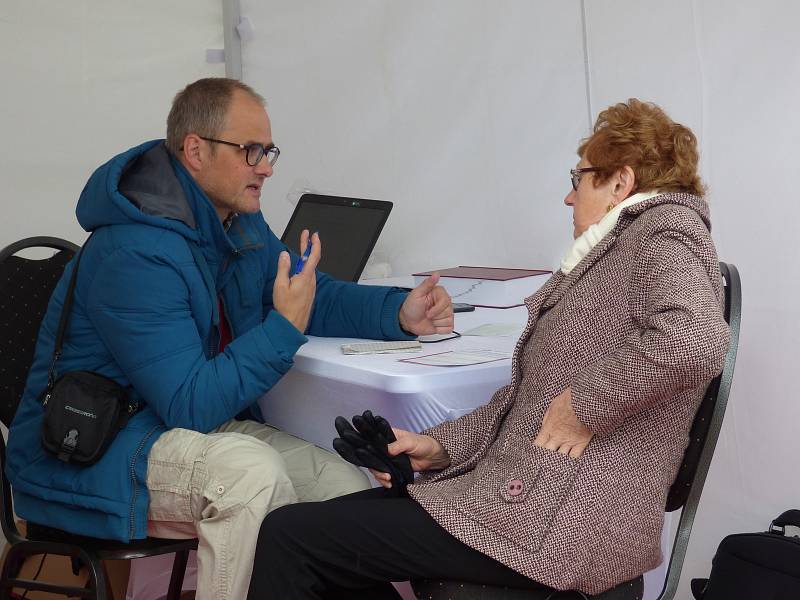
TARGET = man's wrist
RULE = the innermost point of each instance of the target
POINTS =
(403, 323)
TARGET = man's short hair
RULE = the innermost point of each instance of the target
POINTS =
(201, 108)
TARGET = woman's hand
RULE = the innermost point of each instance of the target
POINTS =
(426, 454)
(561, 430)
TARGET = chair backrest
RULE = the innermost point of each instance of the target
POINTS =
(25, 288)
(685, 491)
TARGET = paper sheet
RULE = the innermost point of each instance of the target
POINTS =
(496, 329)
(458, 358)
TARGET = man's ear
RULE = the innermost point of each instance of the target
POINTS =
(193, 153)
(624, 184)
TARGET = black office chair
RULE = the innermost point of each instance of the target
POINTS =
(25, 288)
(684, 493)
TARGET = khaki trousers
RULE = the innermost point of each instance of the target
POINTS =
(219, 486)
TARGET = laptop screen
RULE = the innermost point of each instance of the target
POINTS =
(348, 229)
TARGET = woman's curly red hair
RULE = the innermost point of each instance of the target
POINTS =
(663, 154)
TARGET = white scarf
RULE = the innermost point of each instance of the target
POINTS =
(584, 243)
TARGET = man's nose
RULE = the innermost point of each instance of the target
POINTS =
(263, 167)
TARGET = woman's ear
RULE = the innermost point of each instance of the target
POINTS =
(625, 183)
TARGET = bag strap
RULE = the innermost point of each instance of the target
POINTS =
(63, 322)
(789, 517)
(67, 308)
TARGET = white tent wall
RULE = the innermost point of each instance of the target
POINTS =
(82, 81)
(467, 116)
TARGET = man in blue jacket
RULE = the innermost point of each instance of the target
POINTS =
(186, 297)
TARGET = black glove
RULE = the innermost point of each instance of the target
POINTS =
(347, 442)
(378, 434)
(366, 446)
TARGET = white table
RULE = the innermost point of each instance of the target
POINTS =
(324, 383)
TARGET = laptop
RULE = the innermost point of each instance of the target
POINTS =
(348, 229)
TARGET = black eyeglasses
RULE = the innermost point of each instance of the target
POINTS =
(575, 175)
(253, 152)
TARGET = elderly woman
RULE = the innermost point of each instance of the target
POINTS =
(561, 479)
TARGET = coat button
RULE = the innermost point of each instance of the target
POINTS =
(514, 487)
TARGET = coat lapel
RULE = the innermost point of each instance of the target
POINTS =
(580, 269)
(533, 304)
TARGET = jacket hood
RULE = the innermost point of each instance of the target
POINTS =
(145, 185)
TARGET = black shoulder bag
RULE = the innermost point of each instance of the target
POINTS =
(83, 411)
(750, 566)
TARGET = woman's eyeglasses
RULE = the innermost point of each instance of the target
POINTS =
(575, 175)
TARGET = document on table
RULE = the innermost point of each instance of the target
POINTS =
(496, 329)
(381, 347)
(458, 358)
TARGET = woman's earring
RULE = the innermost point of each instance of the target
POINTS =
(610, 207)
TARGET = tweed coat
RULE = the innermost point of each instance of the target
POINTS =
(637, 331)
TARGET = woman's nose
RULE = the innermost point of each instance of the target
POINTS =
(569, 199)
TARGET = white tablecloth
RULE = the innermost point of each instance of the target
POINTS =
(324, 383)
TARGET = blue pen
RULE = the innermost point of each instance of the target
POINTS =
(302, 261)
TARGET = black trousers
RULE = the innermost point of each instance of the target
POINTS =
(352, 546)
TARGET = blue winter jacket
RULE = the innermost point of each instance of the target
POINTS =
(146, 315)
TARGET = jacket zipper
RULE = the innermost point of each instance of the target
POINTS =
(214, 340)
(228, 321)
(234, 252)
(238, 252)
(132, 516)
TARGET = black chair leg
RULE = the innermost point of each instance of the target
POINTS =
(178, 572)
(5, 585)
(97, 578)
(11, 568)
(15, 559)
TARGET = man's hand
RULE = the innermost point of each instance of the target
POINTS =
(426, 454)
(293, 296)
(561, 430)
(427, 309)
